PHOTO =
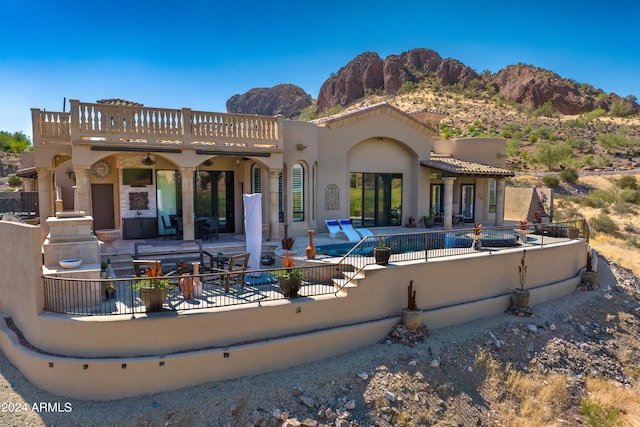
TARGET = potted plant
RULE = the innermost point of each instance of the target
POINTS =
(411, 315)
(477, 235)
(430, 219)
(109, 289)
(520, 296)
(186, 284)
(524, 230)
(289, 277)
(382, 252)
(154, 288)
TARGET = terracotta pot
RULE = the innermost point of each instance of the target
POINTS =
(153, 299)
(412, 319)
(186, 286)
(520, 298)
(311, 249)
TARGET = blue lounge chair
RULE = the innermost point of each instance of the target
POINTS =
(347, 226)
(336, 232)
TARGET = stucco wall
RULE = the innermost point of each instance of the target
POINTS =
(451, 290)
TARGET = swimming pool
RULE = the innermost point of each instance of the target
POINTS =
(405, 243)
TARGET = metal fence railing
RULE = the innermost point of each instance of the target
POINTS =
(422, 246)
(95, 297)
(122, 297)
(26, 205)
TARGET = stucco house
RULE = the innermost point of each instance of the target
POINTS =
(134, 168)
(137, 168)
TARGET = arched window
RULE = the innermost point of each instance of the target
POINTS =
(297, 185)
(256, 179)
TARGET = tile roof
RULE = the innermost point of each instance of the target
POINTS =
(455, 166)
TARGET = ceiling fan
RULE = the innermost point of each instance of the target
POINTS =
(148, 161)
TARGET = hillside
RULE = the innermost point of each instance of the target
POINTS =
(550, 122)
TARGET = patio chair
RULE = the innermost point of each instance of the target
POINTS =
(234, 271)
(336, 232)
(346, 224)
(170, 228)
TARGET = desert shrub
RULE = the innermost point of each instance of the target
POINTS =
(629, 195)
(628, 181)
(620, 109)
(407, 87)
(594, 114)
(603, 224)
(570, 176)
(577, 143)
(551, 181)
(624, 208)
(599, 198)
(14, 180)
(597, 415)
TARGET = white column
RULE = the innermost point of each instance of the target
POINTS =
(500, 184)
(188, 231)
(448, 202)
(83, 191)
(45, 198)
(274, 223)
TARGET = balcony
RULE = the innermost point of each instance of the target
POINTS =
(112, 125)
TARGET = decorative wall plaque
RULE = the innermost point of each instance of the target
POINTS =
(139, 201)
(101, 169)
(332, 198)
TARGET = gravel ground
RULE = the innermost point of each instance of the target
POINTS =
(407, 379)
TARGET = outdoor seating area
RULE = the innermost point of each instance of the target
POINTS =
(343, 229)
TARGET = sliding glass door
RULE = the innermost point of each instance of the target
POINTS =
(375, 199)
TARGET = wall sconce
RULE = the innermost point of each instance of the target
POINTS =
(207, 162)
(300, 147)
(71, 174)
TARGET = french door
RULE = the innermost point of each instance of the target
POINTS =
(467, 194)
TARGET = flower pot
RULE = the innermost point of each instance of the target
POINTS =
(520, 298)
(311, 248)
(110, 293)
(289, 286)
(429, 221)
(382, 255)
(153, 299)
(186, 286)
(590, 278)
(412, 319)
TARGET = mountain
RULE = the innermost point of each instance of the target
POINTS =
(286, 99)
(368, 74)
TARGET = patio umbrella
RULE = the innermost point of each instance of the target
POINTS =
(253, 228)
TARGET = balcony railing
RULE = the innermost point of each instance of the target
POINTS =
(89, 297)
(161, 126)
(102, 297)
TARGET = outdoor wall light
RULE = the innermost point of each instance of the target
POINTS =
(148, 161)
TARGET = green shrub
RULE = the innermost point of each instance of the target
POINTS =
(599, 198)
(551, 181)
(598, 416)
(603, 224)
(628, 181)
(569, 175)
(629, 195)
(620, 109)
(14, 180)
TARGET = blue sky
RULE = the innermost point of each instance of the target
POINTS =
(199, 53)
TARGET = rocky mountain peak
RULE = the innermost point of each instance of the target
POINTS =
(285, 99)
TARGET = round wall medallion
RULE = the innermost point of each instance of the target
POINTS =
(101, 169)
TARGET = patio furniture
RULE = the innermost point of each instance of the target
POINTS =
(171, 252)
(336, 232)
(234, 270)
(208, 226)
(172, 229)
(346, 224)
